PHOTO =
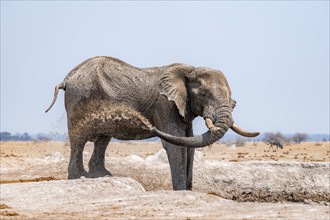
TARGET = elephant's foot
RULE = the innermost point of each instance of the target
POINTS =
(78, 174)
(179, 184)
(189, 186)
(95, 173)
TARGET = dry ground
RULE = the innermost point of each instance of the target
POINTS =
(304, 152)
(141, 187)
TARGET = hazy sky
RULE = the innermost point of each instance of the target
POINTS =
(275, 54)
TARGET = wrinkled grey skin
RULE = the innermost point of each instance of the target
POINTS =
(106, 97)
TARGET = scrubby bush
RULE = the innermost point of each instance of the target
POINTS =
(275, 139)
(240, 141)
(6, 136)
(297, 138)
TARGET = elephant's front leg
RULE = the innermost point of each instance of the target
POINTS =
(177, 157)
(168, 120)
(190, 159)
(190, 162)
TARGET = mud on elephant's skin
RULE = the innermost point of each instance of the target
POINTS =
(106, 97)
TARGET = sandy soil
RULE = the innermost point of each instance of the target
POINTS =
(250, 182)
(304, 152)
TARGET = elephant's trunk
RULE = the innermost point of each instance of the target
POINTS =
(215, 132)
(203, 140)
(211, 136)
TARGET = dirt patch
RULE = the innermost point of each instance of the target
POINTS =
(8, 213)
(4, 206)
(39, 179)
(5, 212)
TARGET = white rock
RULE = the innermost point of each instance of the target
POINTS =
(199, 158)
(159, 158)
(135, 159)
(233, 146)
(56, 157)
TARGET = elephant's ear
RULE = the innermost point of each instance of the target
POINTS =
(173, 85)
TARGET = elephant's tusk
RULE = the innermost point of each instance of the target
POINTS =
(240, 131)
(214, 129)
(209, 124)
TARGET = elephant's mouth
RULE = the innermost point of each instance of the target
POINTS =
(216, 130)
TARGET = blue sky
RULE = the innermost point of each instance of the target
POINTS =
(275, 54)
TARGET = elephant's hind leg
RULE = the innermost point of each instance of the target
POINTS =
(96, 163)
(76, 166)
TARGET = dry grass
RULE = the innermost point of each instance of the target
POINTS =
(304, 152)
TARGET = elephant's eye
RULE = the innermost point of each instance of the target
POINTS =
(203, 93)
(233, 103)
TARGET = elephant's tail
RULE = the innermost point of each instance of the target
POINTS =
(57, 87)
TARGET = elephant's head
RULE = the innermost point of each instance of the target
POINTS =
(200, 92)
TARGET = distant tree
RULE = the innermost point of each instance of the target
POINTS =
(25, 137)
(240, 141)
(15, 137)
(299, 137)
(270, 136)
(228, 143)
(42, 137)
(5, 136)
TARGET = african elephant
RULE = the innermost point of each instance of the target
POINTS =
(106, 97)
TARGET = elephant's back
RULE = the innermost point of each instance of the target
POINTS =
(93, 70)
(89, 67)
(98, 77)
